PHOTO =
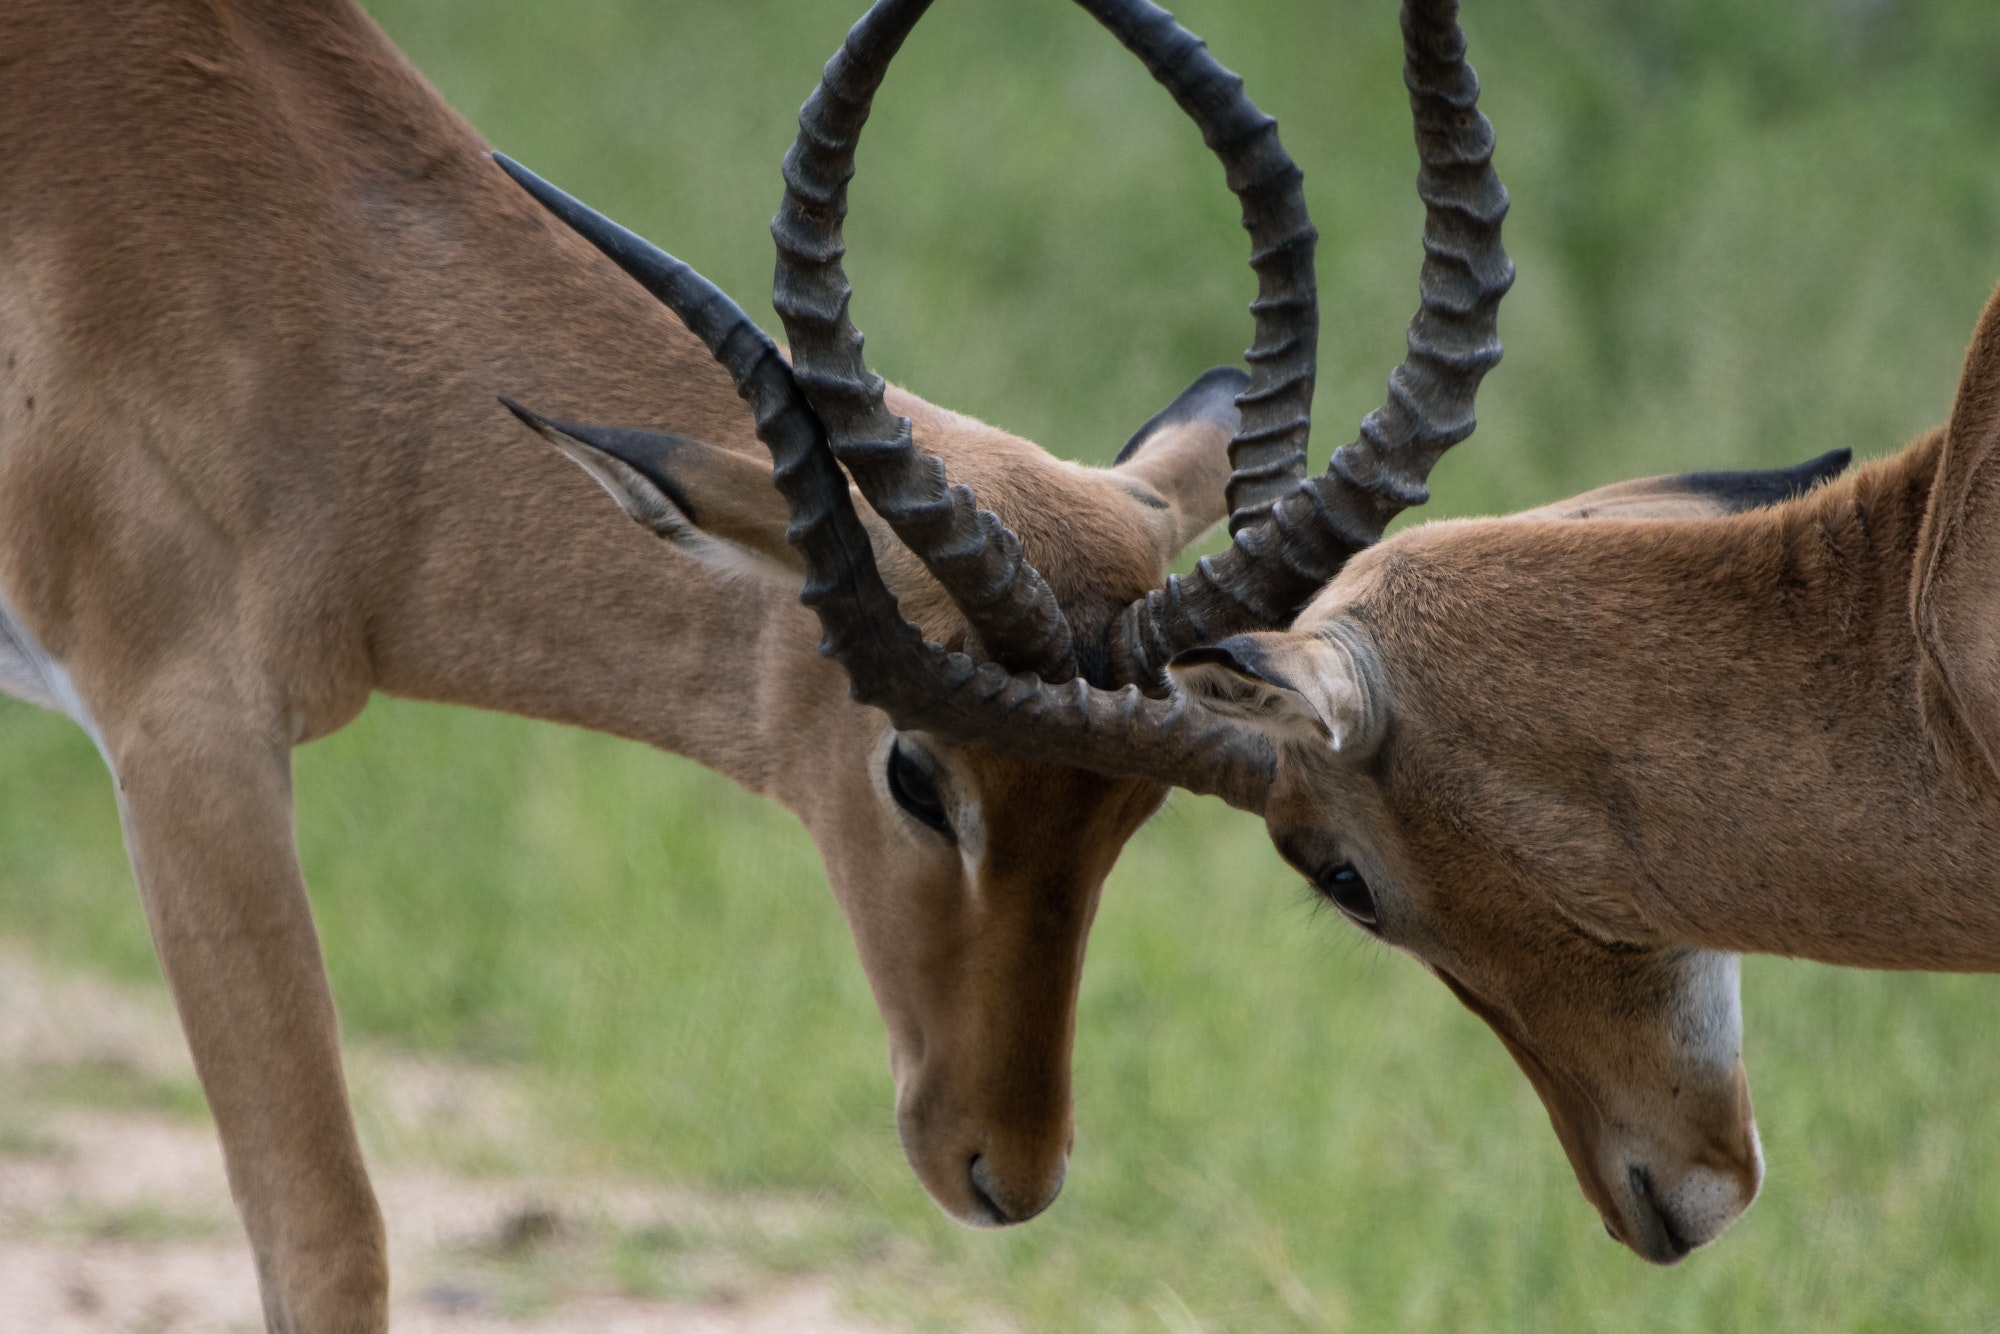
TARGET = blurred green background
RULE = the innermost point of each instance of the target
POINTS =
(1745, 233)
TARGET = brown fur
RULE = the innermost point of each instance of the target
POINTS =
(259, 291)
(1618, 753)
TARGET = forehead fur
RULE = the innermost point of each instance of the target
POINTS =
(1083, 528)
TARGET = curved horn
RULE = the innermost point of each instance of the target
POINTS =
(891, 666)
(967, 548)
(1010, 607)
(1268, 455)
(1273, 569)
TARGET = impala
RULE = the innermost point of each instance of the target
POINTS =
(1577, 769)
(260, 292)
(1572, 766)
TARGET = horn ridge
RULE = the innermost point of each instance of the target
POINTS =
(1272, 569)
(1023, 625)
(1268, 455)
(1452, 340)
(1012, 611)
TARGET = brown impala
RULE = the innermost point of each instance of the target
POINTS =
(260, 292)
(1576, 769)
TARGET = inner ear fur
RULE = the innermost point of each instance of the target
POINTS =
(1323, 686)
(1955, 615)
(1181, 457)
(716, 505)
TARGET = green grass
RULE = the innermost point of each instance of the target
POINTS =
(1745, 234)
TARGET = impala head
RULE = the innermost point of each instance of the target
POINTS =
(969, 879)
(1428, 790)
(969, 873)
(1390, 804)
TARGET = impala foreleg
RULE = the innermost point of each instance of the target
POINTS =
(208, 817)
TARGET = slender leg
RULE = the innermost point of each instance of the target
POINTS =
(207, 803)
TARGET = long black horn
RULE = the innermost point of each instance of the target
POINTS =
(1274, 568)
(1268, 456)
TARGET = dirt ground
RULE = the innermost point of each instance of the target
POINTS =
(114, 1214)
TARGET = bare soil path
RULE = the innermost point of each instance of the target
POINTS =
(114, 1214)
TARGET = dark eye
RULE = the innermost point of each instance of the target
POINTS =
(1350, 893)
(916, 793)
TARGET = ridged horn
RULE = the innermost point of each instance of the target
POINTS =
(965, 547)
(1268, 455)
(890, 665)
(1272, 569)
(1012, 611)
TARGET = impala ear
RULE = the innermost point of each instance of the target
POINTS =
(716, 506)
(1182, 456)
(1697, 495)
(1958, 565)
(1323, 687)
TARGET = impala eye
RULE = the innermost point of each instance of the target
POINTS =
(916, 792)
(1350, 893)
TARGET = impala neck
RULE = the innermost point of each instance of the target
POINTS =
(1812, 812)
(1713, 722)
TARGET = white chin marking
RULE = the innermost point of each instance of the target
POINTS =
(1709, 1017)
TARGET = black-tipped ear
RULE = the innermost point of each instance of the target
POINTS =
(1177, 465)
(1237, 678)
(713, 504)
(1212, 398)
(1240, 654)
(1735, 492)
(649, 453)
(1695, 495)
(1320, 687)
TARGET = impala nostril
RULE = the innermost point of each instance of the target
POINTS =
(1676, 1245)
(982, 1190)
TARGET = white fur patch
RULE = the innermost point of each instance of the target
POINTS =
(1709, 1017)
(1697, 1200)
(28, 672)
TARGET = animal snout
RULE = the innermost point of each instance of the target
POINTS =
(1009, 1202)
(985, 1188)
(1666, 1216)
(985, 1170)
